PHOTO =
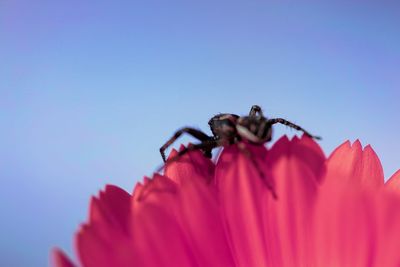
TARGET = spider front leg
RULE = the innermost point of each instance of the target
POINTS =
(292, 125)
(193, 132)
(205, 147)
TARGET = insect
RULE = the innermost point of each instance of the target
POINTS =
(228, 129)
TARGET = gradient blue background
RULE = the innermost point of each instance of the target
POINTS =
(89, 90)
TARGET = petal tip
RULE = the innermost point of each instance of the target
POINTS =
(59, 259)
(369, 150)
(357, 145)
(344, 147)
(172, 154)
(394, 181)
(296, 139)
(284, 138)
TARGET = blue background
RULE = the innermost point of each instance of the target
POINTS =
(89, 91)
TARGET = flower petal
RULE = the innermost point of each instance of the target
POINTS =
(371, 172)
(60, 259)
(93, 251)
(351, 164)
(191, 163)
(305, 149)
(288, 220)
(345, 228)
(388, 229)
(159, 239)
(241, 191)
(112, 208)
(394, 181)
(105, 239)
(199, 209)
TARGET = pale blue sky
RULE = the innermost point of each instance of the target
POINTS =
(90, 91)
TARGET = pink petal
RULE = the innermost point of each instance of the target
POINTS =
(93, 251)
(351, 164)
(394, 181)
(199, 209)
(241, 194)
(59, 259)
(111, 208)
(345, 217)
(304, 149)
(192, 163)
(159, 239)
(357, 228)
(371, 172)
(342, 229)
(288, 221)
(105, 239)
(308, 151)
(388, 230)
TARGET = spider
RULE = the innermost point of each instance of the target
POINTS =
(228, 129)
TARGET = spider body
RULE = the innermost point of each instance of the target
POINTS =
(228, 129)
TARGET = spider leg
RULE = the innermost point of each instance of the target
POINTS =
(292, 125)
(206, 147)
(248, 154)
(193, 132)
(254, 110)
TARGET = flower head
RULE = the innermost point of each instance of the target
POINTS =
(329, 212)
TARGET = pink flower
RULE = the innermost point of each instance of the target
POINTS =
(333, 212)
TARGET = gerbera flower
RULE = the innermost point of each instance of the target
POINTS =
(333, 212)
